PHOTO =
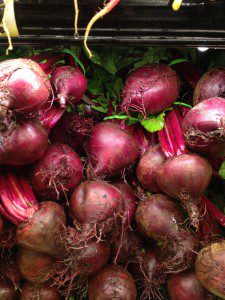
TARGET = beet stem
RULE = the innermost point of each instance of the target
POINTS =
(214, 211)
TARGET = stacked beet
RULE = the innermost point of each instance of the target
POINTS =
(106, 210)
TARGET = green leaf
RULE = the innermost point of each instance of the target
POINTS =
(182, 103)
(100, 109)
(148, 193)
(77, 60)
(222, 170)
(143, 250)
(155, 123)
(177, 61)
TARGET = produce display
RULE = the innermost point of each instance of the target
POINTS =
(112, 169)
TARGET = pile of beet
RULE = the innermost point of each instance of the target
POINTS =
(104, 209)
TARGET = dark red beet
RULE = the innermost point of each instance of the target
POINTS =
(158, 217)
(186, 177)
(24, 86)
(204, 129)
(39, 292)
(34, 266)
(210, 268)
(185, 286)
(41, 232)
(69, 84)
(22, 142)
(178, 256)
(130, 200)
(78, 260)
(72, 130)
(148, 274)
(57, 173)
(125, 247)
(211, 84)
(111, 149)
(151, 89)
(147, 168)
(97, 206)
(7, 291)
(112, 282)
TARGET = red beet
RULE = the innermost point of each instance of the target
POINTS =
(158, 217)
(186, 177)
(148, 274)
(24, 87)
(185, 286)
(38, 225)
(211, 84)
(57, 173)
(73, 130)
(112, 282)
(78, 260)
(40, 233)
(111, 149)
(34, 266)
(210, 268)
(151, 89)
(69, 84)
(178, 256)
(125, 247)
(130, 200)
(22, 142)
(203, 127)
(97, 206)
(148, 166)
(39, 292)
(7, 291)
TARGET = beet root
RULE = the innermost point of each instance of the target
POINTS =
(22, 142)
(24, 87)
(210, 268)
(112, 282)
(57, 173)
(147, 168)
(73, 130)
(97, 207)
(186, 178)
(203, 127)
(150, 89)
(77, 261)
(185, 286)
(178, 256)
(34, 267)
(39, 292)
(211, 84)
(69, 84)
(111, 149)
(159, 217)
(40, 233)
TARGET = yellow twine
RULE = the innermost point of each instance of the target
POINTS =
(76, 34)
(176, 4)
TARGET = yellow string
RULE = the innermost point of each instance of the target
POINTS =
(76, 34)
(176, 4)
(4, 25)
